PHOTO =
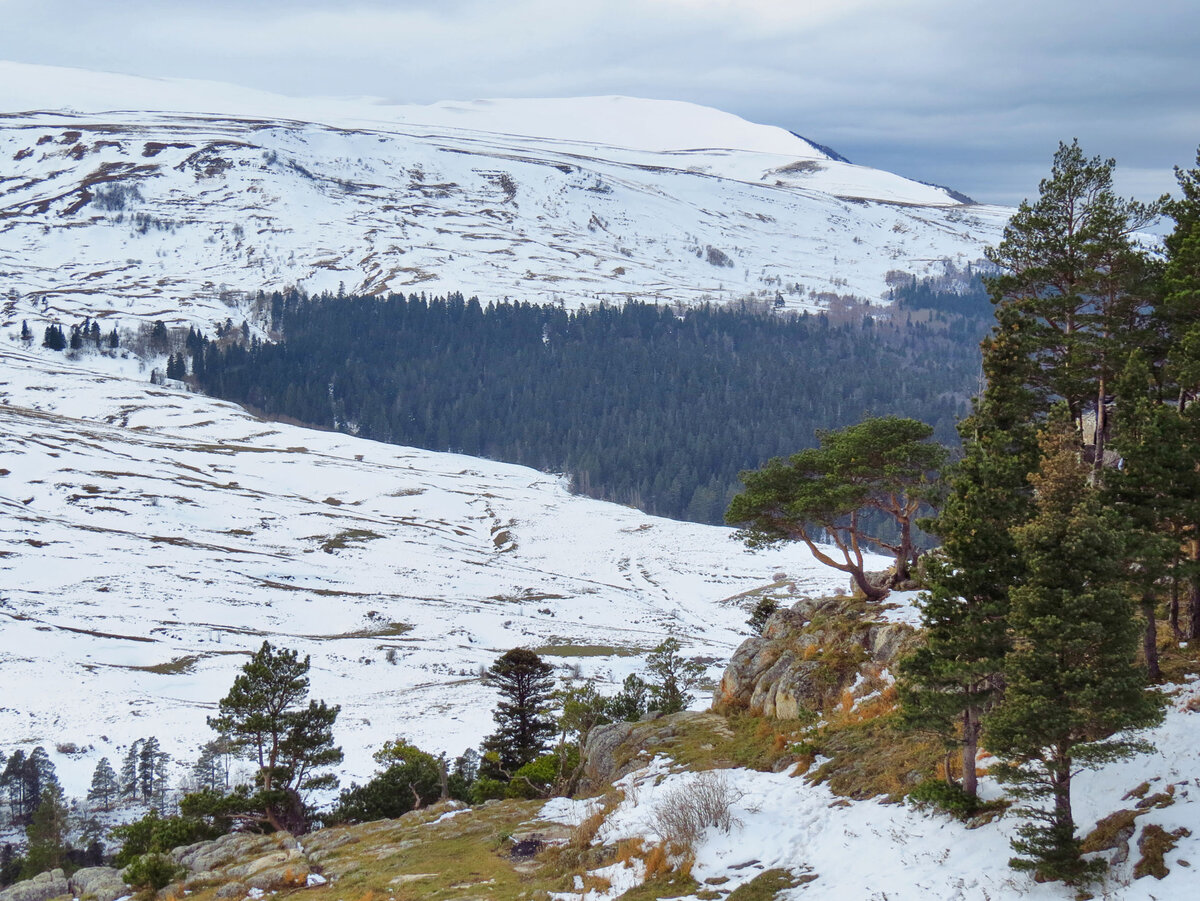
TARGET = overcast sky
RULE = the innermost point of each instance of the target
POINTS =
(974, 95)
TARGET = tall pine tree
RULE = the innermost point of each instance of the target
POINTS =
(1071, 678)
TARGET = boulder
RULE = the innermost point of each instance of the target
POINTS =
(42, 887)
(98, 884)
(599, 753)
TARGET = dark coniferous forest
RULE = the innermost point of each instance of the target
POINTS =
(642, 404)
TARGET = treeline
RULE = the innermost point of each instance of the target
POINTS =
(646, 405)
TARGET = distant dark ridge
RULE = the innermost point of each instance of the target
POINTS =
(828, 151)
(957, 195)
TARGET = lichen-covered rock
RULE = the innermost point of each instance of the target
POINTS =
(599, 753)
(98, 884)
(808, 656)
(42, 887)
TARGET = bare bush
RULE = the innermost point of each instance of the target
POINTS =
(684, 813)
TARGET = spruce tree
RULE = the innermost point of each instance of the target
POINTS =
(1071, 678)
(524, 724)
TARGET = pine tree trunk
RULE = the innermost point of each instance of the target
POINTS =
(1060, 776)
(1173, 611)
(970, 750)
(1150, 640)
(905, 554)
(1193, 632)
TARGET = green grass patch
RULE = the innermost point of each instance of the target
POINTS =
(668, 885)
(706, 741)
(767, 885)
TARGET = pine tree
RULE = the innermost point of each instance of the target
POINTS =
(1071, 679)
(673, 677)
(1071, 272)
(14, 780)
(104, 788)
(47, 833)
(524, 725)
(54, 338)
(263, 713)
(1156, 490)
(147, 767)
(948, 684)
(129, 770)
(882, 464)
(211, 769)
(1180, 317)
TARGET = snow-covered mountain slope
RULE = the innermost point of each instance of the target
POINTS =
(125, 197)
(151, 538)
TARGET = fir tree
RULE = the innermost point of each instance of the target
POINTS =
(524, 725)
(1071, 679)
(104, 788)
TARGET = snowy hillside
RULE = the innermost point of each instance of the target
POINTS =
(125, 197)
(151, 538)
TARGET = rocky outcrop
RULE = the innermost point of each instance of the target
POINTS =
(42, 887)
(612, 751)
(98, 884)
(810, 655)
(239, 862)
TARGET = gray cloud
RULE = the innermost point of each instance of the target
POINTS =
(971, 94)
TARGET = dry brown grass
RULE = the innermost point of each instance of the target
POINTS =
(629, 850)
(658, 861)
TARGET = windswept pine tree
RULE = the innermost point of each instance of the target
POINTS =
(886, 465)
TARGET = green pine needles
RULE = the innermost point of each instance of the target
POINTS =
(1072, 683)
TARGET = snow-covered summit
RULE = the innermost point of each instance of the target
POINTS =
(126, 196)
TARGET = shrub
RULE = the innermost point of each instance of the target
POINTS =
(154, 871)
(486, 788)
(762, 612)
(685, 812)
(945, 796)
(411, 780)
(154, 834)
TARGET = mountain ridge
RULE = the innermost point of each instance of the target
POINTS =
(128, 214)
